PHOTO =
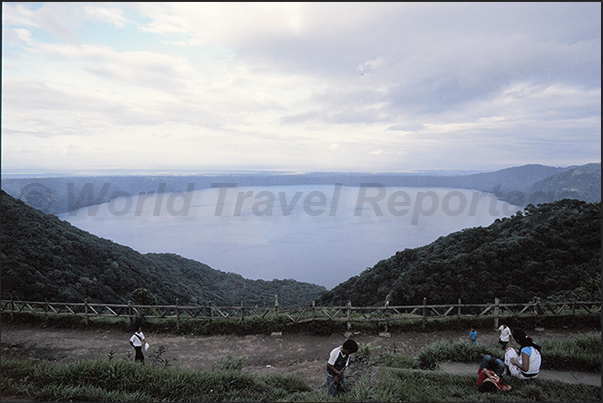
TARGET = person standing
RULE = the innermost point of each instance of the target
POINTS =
(505, 334)
(338, 361)
(473, 336)
(138, 342)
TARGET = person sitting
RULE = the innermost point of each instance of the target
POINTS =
(489, 375)
(525, 363)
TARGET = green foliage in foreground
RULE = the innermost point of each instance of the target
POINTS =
(126, 381)
(579, 353)
(379, 376)
(397, 385)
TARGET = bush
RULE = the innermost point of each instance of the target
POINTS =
(229, 363)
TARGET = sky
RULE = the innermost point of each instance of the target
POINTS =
(372, 87)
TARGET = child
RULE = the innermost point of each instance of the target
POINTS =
(488, 381)
(489, 375)
(473, 336)
(338, 361)
(505, 335)
(525, 363)
(138, 342)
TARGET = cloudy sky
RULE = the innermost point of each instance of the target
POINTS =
(396, 87)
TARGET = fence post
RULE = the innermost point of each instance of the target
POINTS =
(424, 311)
(385, 313)
(45, 312)
(130, 312)
(349, 316)
(86, 311)
(313, 310)
(177, 314)
(276, 306)
(574, 308)
(211, 312)
(496, 312)
(12, 308)
(458, 312)
(242, 314)
(574, 311)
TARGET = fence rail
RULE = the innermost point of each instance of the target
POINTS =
(347, 313)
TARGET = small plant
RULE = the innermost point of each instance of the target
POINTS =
(230, 363)
(365, 352)
(111, 355)
(158, 359)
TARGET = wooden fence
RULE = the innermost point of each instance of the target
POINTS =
(385, 314)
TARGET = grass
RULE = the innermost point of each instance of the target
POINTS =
(126, 381)
(393, 385)
(579, 353)
(379, 377)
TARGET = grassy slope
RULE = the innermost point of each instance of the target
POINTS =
(105, 380)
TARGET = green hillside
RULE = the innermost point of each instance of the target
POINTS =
(550, 250)
(45, 258)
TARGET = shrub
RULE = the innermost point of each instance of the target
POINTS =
(229, 363)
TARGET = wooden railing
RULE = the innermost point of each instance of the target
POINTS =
(385, 314)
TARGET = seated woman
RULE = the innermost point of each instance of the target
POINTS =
(525, 363)
(488, 380)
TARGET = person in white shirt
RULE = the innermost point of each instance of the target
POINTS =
(505, 334)
(525, 363)
(138, 342)
(338, 361)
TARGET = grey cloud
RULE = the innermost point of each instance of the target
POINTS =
(343, 105)
(27, 95)
(440, 58)
(407, 127)
(448, 54)
(339, 115)
(162, 77)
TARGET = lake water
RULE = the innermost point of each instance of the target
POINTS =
(322, 234)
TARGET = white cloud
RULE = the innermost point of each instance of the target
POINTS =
(110, 15)
(369, 65)
(284, 85)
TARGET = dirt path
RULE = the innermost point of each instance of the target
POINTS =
(302, 355)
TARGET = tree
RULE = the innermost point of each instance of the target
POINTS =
(142, 296)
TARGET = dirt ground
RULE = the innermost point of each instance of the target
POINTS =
(302, 355)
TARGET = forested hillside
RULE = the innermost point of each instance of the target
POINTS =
(44, 258)
(582, 182)
(553, 250)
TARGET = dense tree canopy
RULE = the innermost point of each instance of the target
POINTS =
(550, 250)
(45, 258)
